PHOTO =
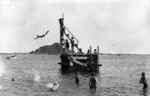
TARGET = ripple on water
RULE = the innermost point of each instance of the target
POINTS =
(41, 94)
(119, 76)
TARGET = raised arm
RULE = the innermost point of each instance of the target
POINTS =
(82, 77)
(96, 80)
(46, 33)
(73, 77)
(90, 82)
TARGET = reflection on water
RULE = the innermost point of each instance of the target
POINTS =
(119, 75)
(144, 92)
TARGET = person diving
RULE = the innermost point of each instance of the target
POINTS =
(41, 36)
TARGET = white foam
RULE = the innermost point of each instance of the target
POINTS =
(53, 86)
(36, 75)
(49, 85)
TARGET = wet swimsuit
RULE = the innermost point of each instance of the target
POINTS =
(93, 83)
(67, 44)
(143, 80)
(72, 42)
(77, 79)
(145, 85)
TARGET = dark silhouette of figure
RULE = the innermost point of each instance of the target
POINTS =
(88, 52)
(12, 79)
(67, 46)
(95, 51)
(72, 44)
(14, 55)
(11, 57)
(41, 36)
(143, 80)
(77, 78)
(92, 82)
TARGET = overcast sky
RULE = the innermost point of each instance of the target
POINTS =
(117, 26)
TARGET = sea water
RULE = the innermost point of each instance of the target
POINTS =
(119, 76)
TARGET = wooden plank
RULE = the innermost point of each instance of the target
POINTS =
(79, 63)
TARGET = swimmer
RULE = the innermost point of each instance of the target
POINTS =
(92, 82)
(143, 80)
(54, 87)
(12, 79)
(77, 76)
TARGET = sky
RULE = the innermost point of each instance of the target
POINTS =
(116, 26)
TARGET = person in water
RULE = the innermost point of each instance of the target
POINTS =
(12, 79)
(54, 86)
(77, 78)
(92, 82)
(143, 80)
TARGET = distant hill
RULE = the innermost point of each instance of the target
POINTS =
(48, 49)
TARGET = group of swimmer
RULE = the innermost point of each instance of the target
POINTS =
(92, 81)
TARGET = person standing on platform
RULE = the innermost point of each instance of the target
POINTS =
(88, 52)
(67, 46)
(72, 44)
(95, 51)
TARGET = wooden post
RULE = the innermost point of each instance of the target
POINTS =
(62, 31)
(98, 49)
(90, 49)
(98, 57)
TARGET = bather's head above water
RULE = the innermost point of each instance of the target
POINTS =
(77, 73)
(12, 79)
(55, 83)
(143, 74)
(93, 74)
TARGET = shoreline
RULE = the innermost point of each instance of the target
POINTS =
(118, 54)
